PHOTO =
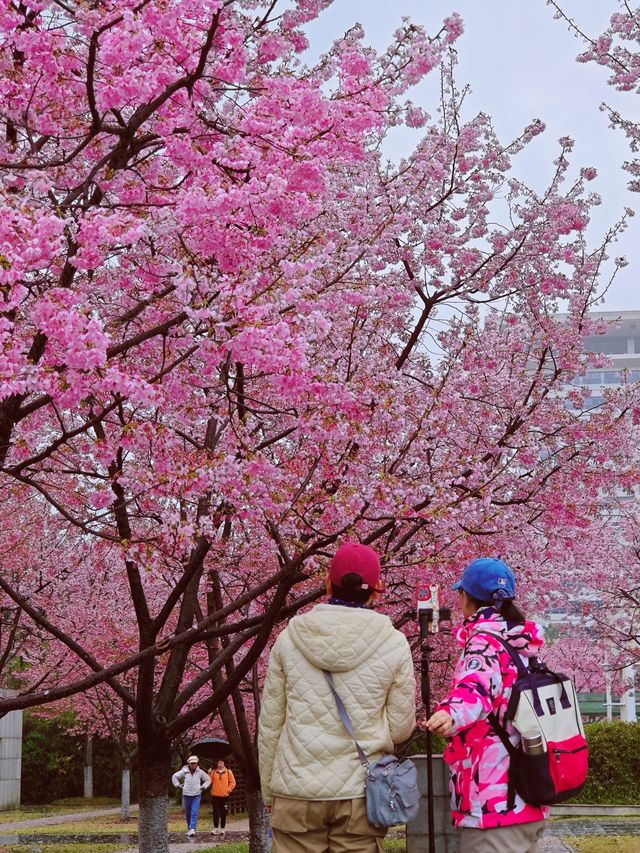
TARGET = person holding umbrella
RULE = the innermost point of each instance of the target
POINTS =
(222, 784)
(193, 781)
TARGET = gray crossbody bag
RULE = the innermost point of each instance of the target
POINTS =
(391, 786)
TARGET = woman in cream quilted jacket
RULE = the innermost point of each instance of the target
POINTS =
(309, 768)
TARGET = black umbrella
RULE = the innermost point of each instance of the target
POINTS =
(213, 748)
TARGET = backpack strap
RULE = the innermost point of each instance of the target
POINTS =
(512, 752)
(524, 671)
(515, 657)
(496, 725)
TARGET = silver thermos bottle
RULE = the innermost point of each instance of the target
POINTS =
(533, 743)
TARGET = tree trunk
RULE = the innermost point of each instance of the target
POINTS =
(154, 773)
(125, 796)
(88, 768)
(259, 823)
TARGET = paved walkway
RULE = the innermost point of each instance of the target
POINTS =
(595, 826)
(555, 845)
(63, 818)
(549, 844)
(238, 829)
(205, 842)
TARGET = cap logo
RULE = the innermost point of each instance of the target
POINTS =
(502, 582)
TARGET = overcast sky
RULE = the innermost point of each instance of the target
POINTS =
(520, 64)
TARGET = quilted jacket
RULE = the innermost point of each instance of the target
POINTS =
(478, 761)
(305, 751)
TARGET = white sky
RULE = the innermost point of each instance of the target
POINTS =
(520, 64)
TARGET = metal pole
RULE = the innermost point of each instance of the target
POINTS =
(425, 690)
(429, 618)
(608, 704)
(628, 710)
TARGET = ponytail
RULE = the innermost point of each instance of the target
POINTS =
(506, 607)
(512, 612)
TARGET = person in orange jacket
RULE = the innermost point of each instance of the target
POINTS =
(222, 784)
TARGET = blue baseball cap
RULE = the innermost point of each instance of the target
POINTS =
(489, 580)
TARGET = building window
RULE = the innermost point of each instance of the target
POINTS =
(607, 344)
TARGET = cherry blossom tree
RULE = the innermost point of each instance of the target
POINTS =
(616, 615)
(617, 49)
(232, 335)
(578, 654)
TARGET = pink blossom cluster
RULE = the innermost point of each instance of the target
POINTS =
(617, 50)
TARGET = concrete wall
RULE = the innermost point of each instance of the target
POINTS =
(10, 758)
(446, 836)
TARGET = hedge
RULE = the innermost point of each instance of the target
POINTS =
(614, 764)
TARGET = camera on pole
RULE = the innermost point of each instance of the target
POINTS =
(429, 615)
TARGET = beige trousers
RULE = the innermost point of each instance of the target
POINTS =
(520, 838)
(323, 826)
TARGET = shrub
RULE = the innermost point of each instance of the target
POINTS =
(614, 764)
(53, 762)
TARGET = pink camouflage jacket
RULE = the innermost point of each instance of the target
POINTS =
(477, 759)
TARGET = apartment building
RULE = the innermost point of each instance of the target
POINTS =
(621, 345)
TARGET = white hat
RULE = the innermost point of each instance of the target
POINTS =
(193, 759)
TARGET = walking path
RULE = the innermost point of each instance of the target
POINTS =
(238, 830)
(555, 845)
(549, 844)
(595, 826)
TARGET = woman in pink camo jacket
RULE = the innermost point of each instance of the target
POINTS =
(482, 683)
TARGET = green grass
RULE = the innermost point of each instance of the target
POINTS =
(95, 825)
(108, 824)
(603, 844)
(27, 813)
(58, 807)
(80, 803)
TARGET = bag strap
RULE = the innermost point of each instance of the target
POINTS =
(500, 730)
(523, 671)
(512, 752)
(346, 719)
(496, 725)
(515, 657)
